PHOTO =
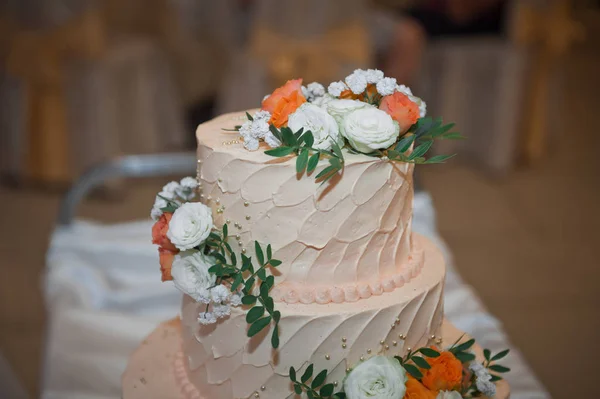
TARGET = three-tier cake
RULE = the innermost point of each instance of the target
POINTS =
(338, 278)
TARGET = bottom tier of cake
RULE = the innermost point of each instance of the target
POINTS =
(158, 369)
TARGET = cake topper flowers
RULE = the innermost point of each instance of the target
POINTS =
(197, 257)
(366, 113)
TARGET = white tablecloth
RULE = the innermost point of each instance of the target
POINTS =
(104, 296)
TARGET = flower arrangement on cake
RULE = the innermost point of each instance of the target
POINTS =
(366, 113)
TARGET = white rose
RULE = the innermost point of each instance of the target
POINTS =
(191, 276)
(368, 129)
(448, 395)
(190, 225)
(380, 377)
(340, 108)
(323, 126)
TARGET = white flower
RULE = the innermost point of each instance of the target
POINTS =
(156, 211)
(188, 182)
(271, 140)
(206, 318)
(357, 81)
(203, 295)
(448, 395)
(477, 368)
(262, 115)
(368, 129)
(186, 188)
(170, 188)
(422, 105)
(235, 300)
(323, 126)
(404, 90)
(221, 311)
(253, 130)
(170, 195)
(386, 86)
(340, 108)
(190, 225)
(191, 276)
(316, 89)
(373, 75)
(336, 88)
(380, 377)
(323, 101)
(220, 293)
(487, 388)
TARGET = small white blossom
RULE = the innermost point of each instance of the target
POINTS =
(187, 188)
(156, 211)
(271, 140)
(373, 75)
(487, 388)
(386, 86)
(477, 368)
(220, 293)
(253, 130)
(336, 88)
(170, 195)
(189, 182)
(316, 89)
(265, 97)
(323, 101)
(171, 188)
(422, 105)
(221, 311)
(235, 300)
(262, 115)
(448, 395)
(203, 296)
(207, 318)
(357, 81)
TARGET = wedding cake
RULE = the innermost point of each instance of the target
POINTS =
(294, 250)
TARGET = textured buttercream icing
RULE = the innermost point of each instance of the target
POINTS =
(353, 230)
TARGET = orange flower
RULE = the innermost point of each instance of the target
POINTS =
(445, 373)
(416, 390)
(284, 101)
(159, 232)
(166, 262)
(349, 95)
(401, 109)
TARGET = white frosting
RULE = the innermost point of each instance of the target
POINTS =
(354, 230)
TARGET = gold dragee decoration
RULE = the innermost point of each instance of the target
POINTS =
(320, 58)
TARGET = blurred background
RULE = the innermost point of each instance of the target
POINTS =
(87, 81)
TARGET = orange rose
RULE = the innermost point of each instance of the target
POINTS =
(401, 109)
(159, 232)
(284, 101)
(166, 262)
(416, 390)
(445, 373)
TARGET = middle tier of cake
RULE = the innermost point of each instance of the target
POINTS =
(222, 362)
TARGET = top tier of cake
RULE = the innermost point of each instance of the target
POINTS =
(351, 234)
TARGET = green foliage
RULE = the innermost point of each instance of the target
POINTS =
(317, 388)
(300, 144)
(413, 363)
(261, 312)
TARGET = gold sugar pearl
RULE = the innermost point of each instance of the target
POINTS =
(218, 200)
(243, 250)
(438, 341)
(247, 217)
(387, 347)
(432, 337)
(327, 357)
(219, 180)
(393, 325)
(348, 370)
(239, 226)
(408, 349)
(394, 343)
(219, 210)
(240, 243)
(397, 320)
(335, 383)
(228, 221)
(362, 358)
(237, 236)
(368, 350)
(344, 339)
(256, 395)
(381, 342)
(201, 195)
(246, 203)
(262, 388)
(402, 336)
(344, 346)
(209, 198)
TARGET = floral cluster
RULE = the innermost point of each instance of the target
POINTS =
(367, 113)
(427, 373)
(198, 259)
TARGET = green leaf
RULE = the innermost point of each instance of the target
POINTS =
(249, 284)
(250, 118)
(225, 230)
(276, 132)
(276, 316)
(248, 299)
(405, 142)
(453, 136)
(412, 370)
(259, 253)
(422, 363)
(337, 150)
(495, 378)
(269, 304)
(269, 252)
(258, 325)
(264, 291)
(298, 135)
(309, 139)
(439, 158)
(270, 281)
(326, 171)
(326, 390)
(254, 314)
(465, 357)
(298, 389)
(310, 395)
(486, 354)
(312, 162)
(275, 337)
(302, 160)
(307, 373)
(219, 257)
(288, 137)
(233, 258)
(279, 151)
(262, 274)
(420, 150)
(236, 282)
(429, 352)
(336, 162)
(293, 374)
(275, 262)
(499, 369)
(319, 379)
(464, 346)
(500, 355)
(246, 262)
(340, 395)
